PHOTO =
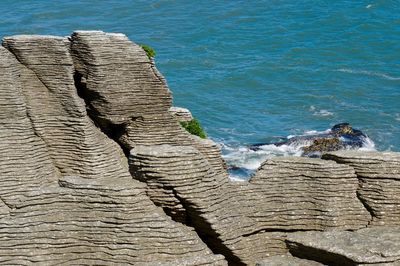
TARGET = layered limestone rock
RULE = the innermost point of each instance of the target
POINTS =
(127, 96)
(97, 221)
(370, 246)
(181, 114)
(250, 221)
(379, 175)
(57, 113)
(310, 194)
(287, 260)
(66, 193)
(25, 162)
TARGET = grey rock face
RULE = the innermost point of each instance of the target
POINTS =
(127, 96)
(287, 260)
(310, 194)
(372, 246)
(25, 162)
(66, 193)
(181, 114)
(379, 175)
(250, 220)
(57, 113)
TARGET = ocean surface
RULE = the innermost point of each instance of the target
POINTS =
(254, 71)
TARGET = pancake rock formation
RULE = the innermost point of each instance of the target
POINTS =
(96, 170)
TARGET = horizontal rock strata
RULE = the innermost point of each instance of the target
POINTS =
(309, 194)
(127, 96)
(66, 194)
(286, 194)
(181, 114)
(379, 175)
(369, 246)
(287, 260)
(98, 221)
(69, 195)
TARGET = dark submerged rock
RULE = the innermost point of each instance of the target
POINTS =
(341, 136)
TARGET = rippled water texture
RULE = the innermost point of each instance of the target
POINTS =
(252, 71)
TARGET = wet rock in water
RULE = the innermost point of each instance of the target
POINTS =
(340, 137)
(322, 145)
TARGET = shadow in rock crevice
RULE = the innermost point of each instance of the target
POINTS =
(113, 131)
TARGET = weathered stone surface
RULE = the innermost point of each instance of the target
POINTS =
(372, 246)
(25, 163)
(379, 175)
(181, 114)
(98, 221)
(66, 193)
(287, 260)
(239, 220)
(309, 194)
(127, 96)
(57, 113)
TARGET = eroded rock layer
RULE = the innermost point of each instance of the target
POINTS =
(57, 113)
(181, 114)
(250, 221)
(287, 260)
(127, 96)
(67, 196)
(379, 175)
(369, 246)
(25, 164)
(310, 194)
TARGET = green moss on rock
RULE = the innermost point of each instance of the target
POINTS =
(194, 128)
(149, 51)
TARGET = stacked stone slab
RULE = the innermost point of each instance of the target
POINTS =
(66, 195)
(287, 260)
(379, 175)
(249, 222)
(57, 113)
(309, 194)
(96, 222)
(25, 163)
(181, 114)
(369, 246)
(127, 96)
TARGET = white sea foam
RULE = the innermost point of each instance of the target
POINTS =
(314, 132)
(369, 6)
(249, 160)
(368, 145)
(321, 112)
(368, 73)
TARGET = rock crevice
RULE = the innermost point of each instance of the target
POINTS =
(94, 158)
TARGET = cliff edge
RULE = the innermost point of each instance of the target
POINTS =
(96, 169)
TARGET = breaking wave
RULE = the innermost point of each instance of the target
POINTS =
(368, 73)
(243, 161)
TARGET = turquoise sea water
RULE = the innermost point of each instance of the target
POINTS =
(252, 71)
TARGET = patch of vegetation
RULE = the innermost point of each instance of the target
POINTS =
(149, 51)
(194, 128)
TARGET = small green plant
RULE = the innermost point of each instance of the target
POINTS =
(149, 51)
(194, 128)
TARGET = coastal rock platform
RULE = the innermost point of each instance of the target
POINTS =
(97, 170)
